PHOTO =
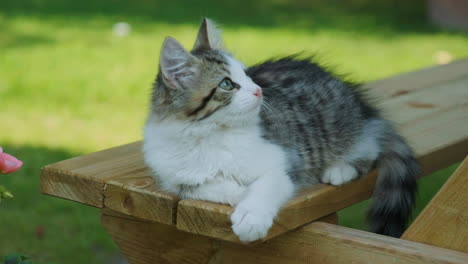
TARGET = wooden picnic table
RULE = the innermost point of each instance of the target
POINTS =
(430, 108)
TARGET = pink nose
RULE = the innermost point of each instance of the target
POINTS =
(258, 92)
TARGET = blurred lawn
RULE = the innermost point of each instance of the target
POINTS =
(68, 86)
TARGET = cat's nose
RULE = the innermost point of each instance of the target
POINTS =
(258, 92)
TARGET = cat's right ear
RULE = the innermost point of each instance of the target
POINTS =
(178, 66)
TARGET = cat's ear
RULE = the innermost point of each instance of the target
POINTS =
(209, 37)
(178, 66)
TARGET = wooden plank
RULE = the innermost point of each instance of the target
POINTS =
(205, 218)
(331, 244)
(70, 186)
(212, 219)
(144, 242)
(141, 198)
(439, 138)
(444, 221)
(116, 178)
(82, 179)
(412, 81)
(423, 103)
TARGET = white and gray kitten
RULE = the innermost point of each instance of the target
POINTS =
(251, 137)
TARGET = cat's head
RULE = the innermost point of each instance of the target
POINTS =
(204, 85)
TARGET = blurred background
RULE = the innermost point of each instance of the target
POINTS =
(75, 77)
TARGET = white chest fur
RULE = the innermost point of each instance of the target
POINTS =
(194, 155)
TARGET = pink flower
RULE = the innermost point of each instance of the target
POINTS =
(8, 163)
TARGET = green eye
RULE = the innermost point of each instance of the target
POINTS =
(226, 84)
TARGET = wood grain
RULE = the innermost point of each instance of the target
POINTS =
(142, 199)
(82, 179)
(205, 218)
(70, 186)
(331, 244)
(444, 221)
(405, 83)
(145, 242)
(433, 130)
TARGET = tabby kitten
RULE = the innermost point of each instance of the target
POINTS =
(251, 137)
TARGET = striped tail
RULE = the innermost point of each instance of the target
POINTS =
(396, 186)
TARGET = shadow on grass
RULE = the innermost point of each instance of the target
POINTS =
(44, 228)
(370, 16)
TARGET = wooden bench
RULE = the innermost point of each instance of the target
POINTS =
(152, 226)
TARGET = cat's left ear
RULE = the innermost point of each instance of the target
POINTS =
(209, 37)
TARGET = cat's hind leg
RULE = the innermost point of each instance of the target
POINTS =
(342, 172)
(359, 159)
(339, 173)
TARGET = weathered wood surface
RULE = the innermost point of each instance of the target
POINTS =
(444, 221)
(146, 242)
(421, 79)
(212, 219)
(82, 179)
(324, 243)
(141, 198)
(428, 106)
(116, 178)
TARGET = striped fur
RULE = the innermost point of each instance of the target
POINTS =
(320, 120)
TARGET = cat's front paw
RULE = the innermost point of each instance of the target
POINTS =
(250, 225)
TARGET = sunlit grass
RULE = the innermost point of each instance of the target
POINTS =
(83, 77)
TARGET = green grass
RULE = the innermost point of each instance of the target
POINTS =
(68, 86)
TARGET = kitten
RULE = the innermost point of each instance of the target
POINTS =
(251, 137)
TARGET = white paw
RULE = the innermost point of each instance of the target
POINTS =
(250, 225)
(339, 173)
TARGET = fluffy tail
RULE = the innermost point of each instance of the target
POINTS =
(396, 186)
